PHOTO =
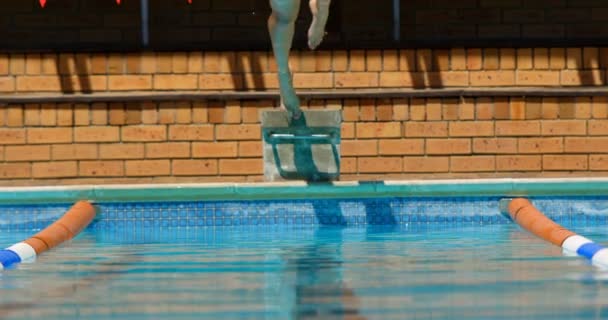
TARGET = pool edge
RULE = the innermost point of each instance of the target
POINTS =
(301, 190)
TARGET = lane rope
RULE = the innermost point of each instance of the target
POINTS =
(523, 212)
(78, 217)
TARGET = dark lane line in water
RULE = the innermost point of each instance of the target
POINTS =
(68, 291)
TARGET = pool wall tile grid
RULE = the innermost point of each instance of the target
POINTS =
(340, 212)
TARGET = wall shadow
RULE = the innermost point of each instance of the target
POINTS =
(423, 67)
(247, 71)
(73, 68)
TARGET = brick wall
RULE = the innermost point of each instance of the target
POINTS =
(241, 24)
(212, 71)
(219, 140)
(382, 138)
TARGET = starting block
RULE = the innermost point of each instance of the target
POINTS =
(304, 149)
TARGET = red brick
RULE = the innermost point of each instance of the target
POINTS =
(232, 112)
(55, 169)
(538, 78)
(144, 133)
(12, 136)
(250, 149)
(14, 116)
(150, 168)
(599, 107)
(65, 115)
(183, 114)
(15, 170)
(348, 165)
(378, 130)
(48, 115)
(597, 162)
(564, 127)
(130, 82)
(448, 146)
(121, 151)
(117, 114)
(492, 78)
(471, 128)
(484, 109)
(426, 129)
(313, 80)
(473, 164)
(565, 162)
(541, 145)
(518, 163)
(38, 84)
(550, 108)
(517, 128)
(396, 79)
(433, 109)
(73, 151)
(586, 145)
(598, 127)
(194, 167)
(238, 132)
(96, 134)
(466, 110)
(191, 132)
(347, 131)
(7, 84)
(426, 164)
(27, 153)
(367, 110)
(380, 164)
(450, 109)
(215, 149)
(359, 147)
(400, 109)
(49, 135)
(494, 145)
(401, 147)
(101, 168)
(524, 58)
(220, 82)
(175, 82)
(582, 77)
(241, 166)
(168, 150)
(474, 59)
(557, 58)
(356, 79)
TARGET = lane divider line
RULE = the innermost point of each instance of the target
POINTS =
(523, 212)
(78, 217)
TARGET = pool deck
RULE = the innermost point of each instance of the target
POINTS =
(302, 190)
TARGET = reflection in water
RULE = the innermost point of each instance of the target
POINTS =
(320, 291)
(105, 272)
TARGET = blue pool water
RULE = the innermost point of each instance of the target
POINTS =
(448, 259)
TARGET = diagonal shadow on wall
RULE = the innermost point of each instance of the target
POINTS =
(74, 73)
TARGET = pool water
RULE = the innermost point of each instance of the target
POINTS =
(418, 271)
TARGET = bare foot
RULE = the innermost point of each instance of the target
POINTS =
(316, 33)
(320, 13)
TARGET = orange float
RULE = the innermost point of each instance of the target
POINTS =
(78, 217)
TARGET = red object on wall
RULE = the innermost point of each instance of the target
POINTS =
(190, 1)
(117, 1)
(42, 3)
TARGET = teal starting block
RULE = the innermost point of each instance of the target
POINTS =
(304, 149)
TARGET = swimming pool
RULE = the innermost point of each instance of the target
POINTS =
(397, 257)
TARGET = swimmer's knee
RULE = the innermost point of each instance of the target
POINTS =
(285, 11)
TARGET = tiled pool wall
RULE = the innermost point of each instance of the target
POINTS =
(346, 212)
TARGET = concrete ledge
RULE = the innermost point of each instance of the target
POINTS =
(306, 94)
(302, 190)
